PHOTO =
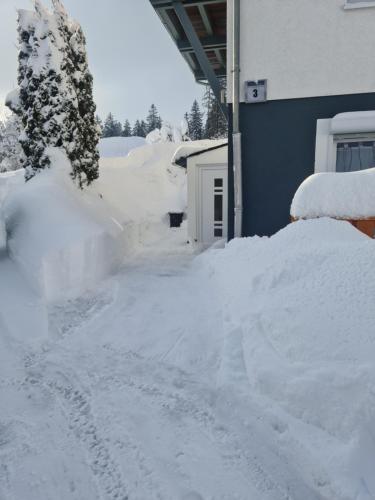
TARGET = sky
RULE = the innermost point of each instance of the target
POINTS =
(132, 58)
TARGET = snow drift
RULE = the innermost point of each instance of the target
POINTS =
(348, 195)
(300, 340)
(143, 188)
(114, 147)
(64, 240)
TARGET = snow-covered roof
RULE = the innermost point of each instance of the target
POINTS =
(356, 122)
(348, 195)
(194, 148)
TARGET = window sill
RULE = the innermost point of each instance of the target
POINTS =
(359, 5)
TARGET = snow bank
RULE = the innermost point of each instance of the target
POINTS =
(115, 147)
(348, 195)
(142, 188)
(300, 340)
(64, 240)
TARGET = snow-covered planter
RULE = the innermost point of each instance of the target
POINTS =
(346, 196)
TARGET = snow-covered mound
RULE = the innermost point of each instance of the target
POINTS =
(144, 187)
(116, 147)
(10, 180)
(300, 341)
(348, 195)
(64, 240)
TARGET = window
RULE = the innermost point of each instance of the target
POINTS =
(346, 142)
(358, 4)
(218, 207)
(354, 154)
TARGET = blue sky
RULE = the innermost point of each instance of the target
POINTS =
(132, 57)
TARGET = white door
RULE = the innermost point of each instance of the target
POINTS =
(213, 203)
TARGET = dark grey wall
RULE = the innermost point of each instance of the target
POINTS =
(278, 153)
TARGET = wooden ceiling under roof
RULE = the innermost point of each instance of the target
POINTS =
(208, 19)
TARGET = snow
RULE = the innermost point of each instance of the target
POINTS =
(354, 122)
(189, 148)
(112, 147)
(64, 241)
(244, 372)
(144, 187)
(348, 195)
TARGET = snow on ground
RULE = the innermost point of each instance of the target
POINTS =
(346, 195)
(112, 147)
(244, 373)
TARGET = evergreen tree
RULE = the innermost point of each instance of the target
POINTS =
(83, 152)
(138, 129)
(11, 153)
(112, 128)
(143, 129)
(216, 126)
(46, 100)
(99, 124)
(195, 122)
(153, 120)
(54, 99)
(126, 129)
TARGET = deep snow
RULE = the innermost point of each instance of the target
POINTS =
(242, 373)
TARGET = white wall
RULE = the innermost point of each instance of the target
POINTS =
(305, 48)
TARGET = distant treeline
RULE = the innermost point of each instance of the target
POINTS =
(204, 121)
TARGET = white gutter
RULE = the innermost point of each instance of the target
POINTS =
(237, 156)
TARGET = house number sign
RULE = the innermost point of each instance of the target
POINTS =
(256, 91)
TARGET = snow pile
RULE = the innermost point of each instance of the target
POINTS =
(354, 122)
(63, 239)
(143, 188)
(348, 195)
(300, 341)
(115, 147)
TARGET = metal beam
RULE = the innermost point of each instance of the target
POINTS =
(205, 19)
(188, 3)
(165, 19)
(208, 43)
(200, 53)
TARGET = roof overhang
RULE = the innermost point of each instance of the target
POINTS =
(199, 30)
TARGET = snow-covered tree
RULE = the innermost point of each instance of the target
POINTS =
(153, 120)
(54, 98)
(83, 151)
(196, 122)
(46, 100)
(11, 153)
(126, 129)
(112, 128)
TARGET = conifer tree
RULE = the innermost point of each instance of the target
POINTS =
(46, 100)
(83, 151)
(112, 128)
(126, 129)
(195, 122)
(137, 129)
(153, 120)
(143, 129)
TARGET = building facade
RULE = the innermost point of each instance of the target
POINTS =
(317, 59)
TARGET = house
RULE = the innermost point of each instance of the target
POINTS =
(294, 70)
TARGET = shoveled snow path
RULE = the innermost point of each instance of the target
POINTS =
(124, 400)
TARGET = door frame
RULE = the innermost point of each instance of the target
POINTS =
(198, 187)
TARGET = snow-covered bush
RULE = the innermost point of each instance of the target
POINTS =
(169, 133)
(11, 153)
(54, 98)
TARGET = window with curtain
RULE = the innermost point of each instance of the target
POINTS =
(355, 155)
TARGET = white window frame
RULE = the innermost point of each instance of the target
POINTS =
(326, 144)
(359, 5)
